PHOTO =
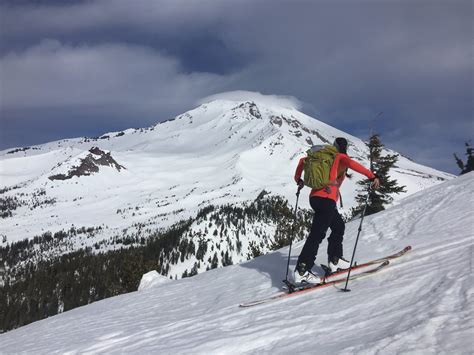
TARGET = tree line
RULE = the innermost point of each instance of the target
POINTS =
(33, 290)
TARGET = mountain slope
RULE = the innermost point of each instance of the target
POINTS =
(422, 304)
(225, 151)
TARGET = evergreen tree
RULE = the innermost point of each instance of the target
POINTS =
(215, 261)
(227, 260)
(469, 166)
(381, 165)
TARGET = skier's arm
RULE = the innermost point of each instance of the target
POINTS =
(299, 170)
(352, 164)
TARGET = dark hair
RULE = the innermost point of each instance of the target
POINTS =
(341, 144)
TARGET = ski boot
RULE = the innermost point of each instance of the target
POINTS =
(304, 276)
(337, 264)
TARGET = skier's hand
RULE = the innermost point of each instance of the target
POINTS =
(300, 184)
(375, 183)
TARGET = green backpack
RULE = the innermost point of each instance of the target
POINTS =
(317, 166)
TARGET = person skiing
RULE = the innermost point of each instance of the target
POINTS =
(323, 202)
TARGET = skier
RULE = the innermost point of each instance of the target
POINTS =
(323, 202)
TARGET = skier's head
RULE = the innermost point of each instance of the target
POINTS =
(341, 144)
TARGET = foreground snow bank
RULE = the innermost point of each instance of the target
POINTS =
(151, 279)
(423, 303)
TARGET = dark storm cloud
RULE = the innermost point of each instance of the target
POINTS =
(131, 63)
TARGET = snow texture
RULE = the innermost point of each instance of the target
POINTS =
(422, 304)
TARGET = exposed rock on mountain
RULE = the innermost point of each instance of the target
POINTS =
(89, 165)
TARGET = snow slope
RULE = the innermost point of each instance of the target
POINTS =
(422, 304)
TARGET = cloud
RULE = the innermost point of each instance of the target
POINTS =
(111, 76)
(149, 60)
(242, 95)
(30, 18)
(53, 90)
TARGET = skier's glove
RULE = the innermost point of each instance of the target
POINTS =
(300, 184)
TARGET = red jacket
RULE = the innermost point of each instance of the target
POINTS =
(341, 163)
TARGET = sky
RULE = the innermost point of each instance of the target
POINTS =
(400, 68)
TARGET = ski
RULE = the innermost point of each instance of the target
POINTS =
(368, 263)
(328, 280)
(328, 276)
(299, 290)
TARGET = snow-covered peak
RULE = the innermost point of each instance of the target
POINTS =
(239, 96)
(224, 151)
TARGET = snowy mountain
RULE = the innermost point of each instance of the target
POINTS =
(212, 187)
(422, 304)
(223, 152)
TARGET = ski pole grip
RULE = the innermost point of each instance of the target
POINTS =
(298, 191)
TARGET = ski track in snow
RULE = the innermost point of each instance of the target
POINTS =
(421, 304)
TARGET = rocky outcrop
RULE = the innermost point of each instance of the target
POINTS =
(90, 165)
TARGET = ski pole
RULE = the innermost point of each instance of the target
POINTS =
(292, 231)
(345, 289)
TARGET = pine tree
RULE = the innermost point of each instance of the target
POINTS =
(215, 261)
(227, 260)
(381, 165)
(469, 166)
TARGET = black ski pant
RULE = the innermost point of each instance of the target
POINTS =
(325, 216)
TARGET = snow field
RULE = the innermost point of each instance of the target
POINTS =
(422, 304)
